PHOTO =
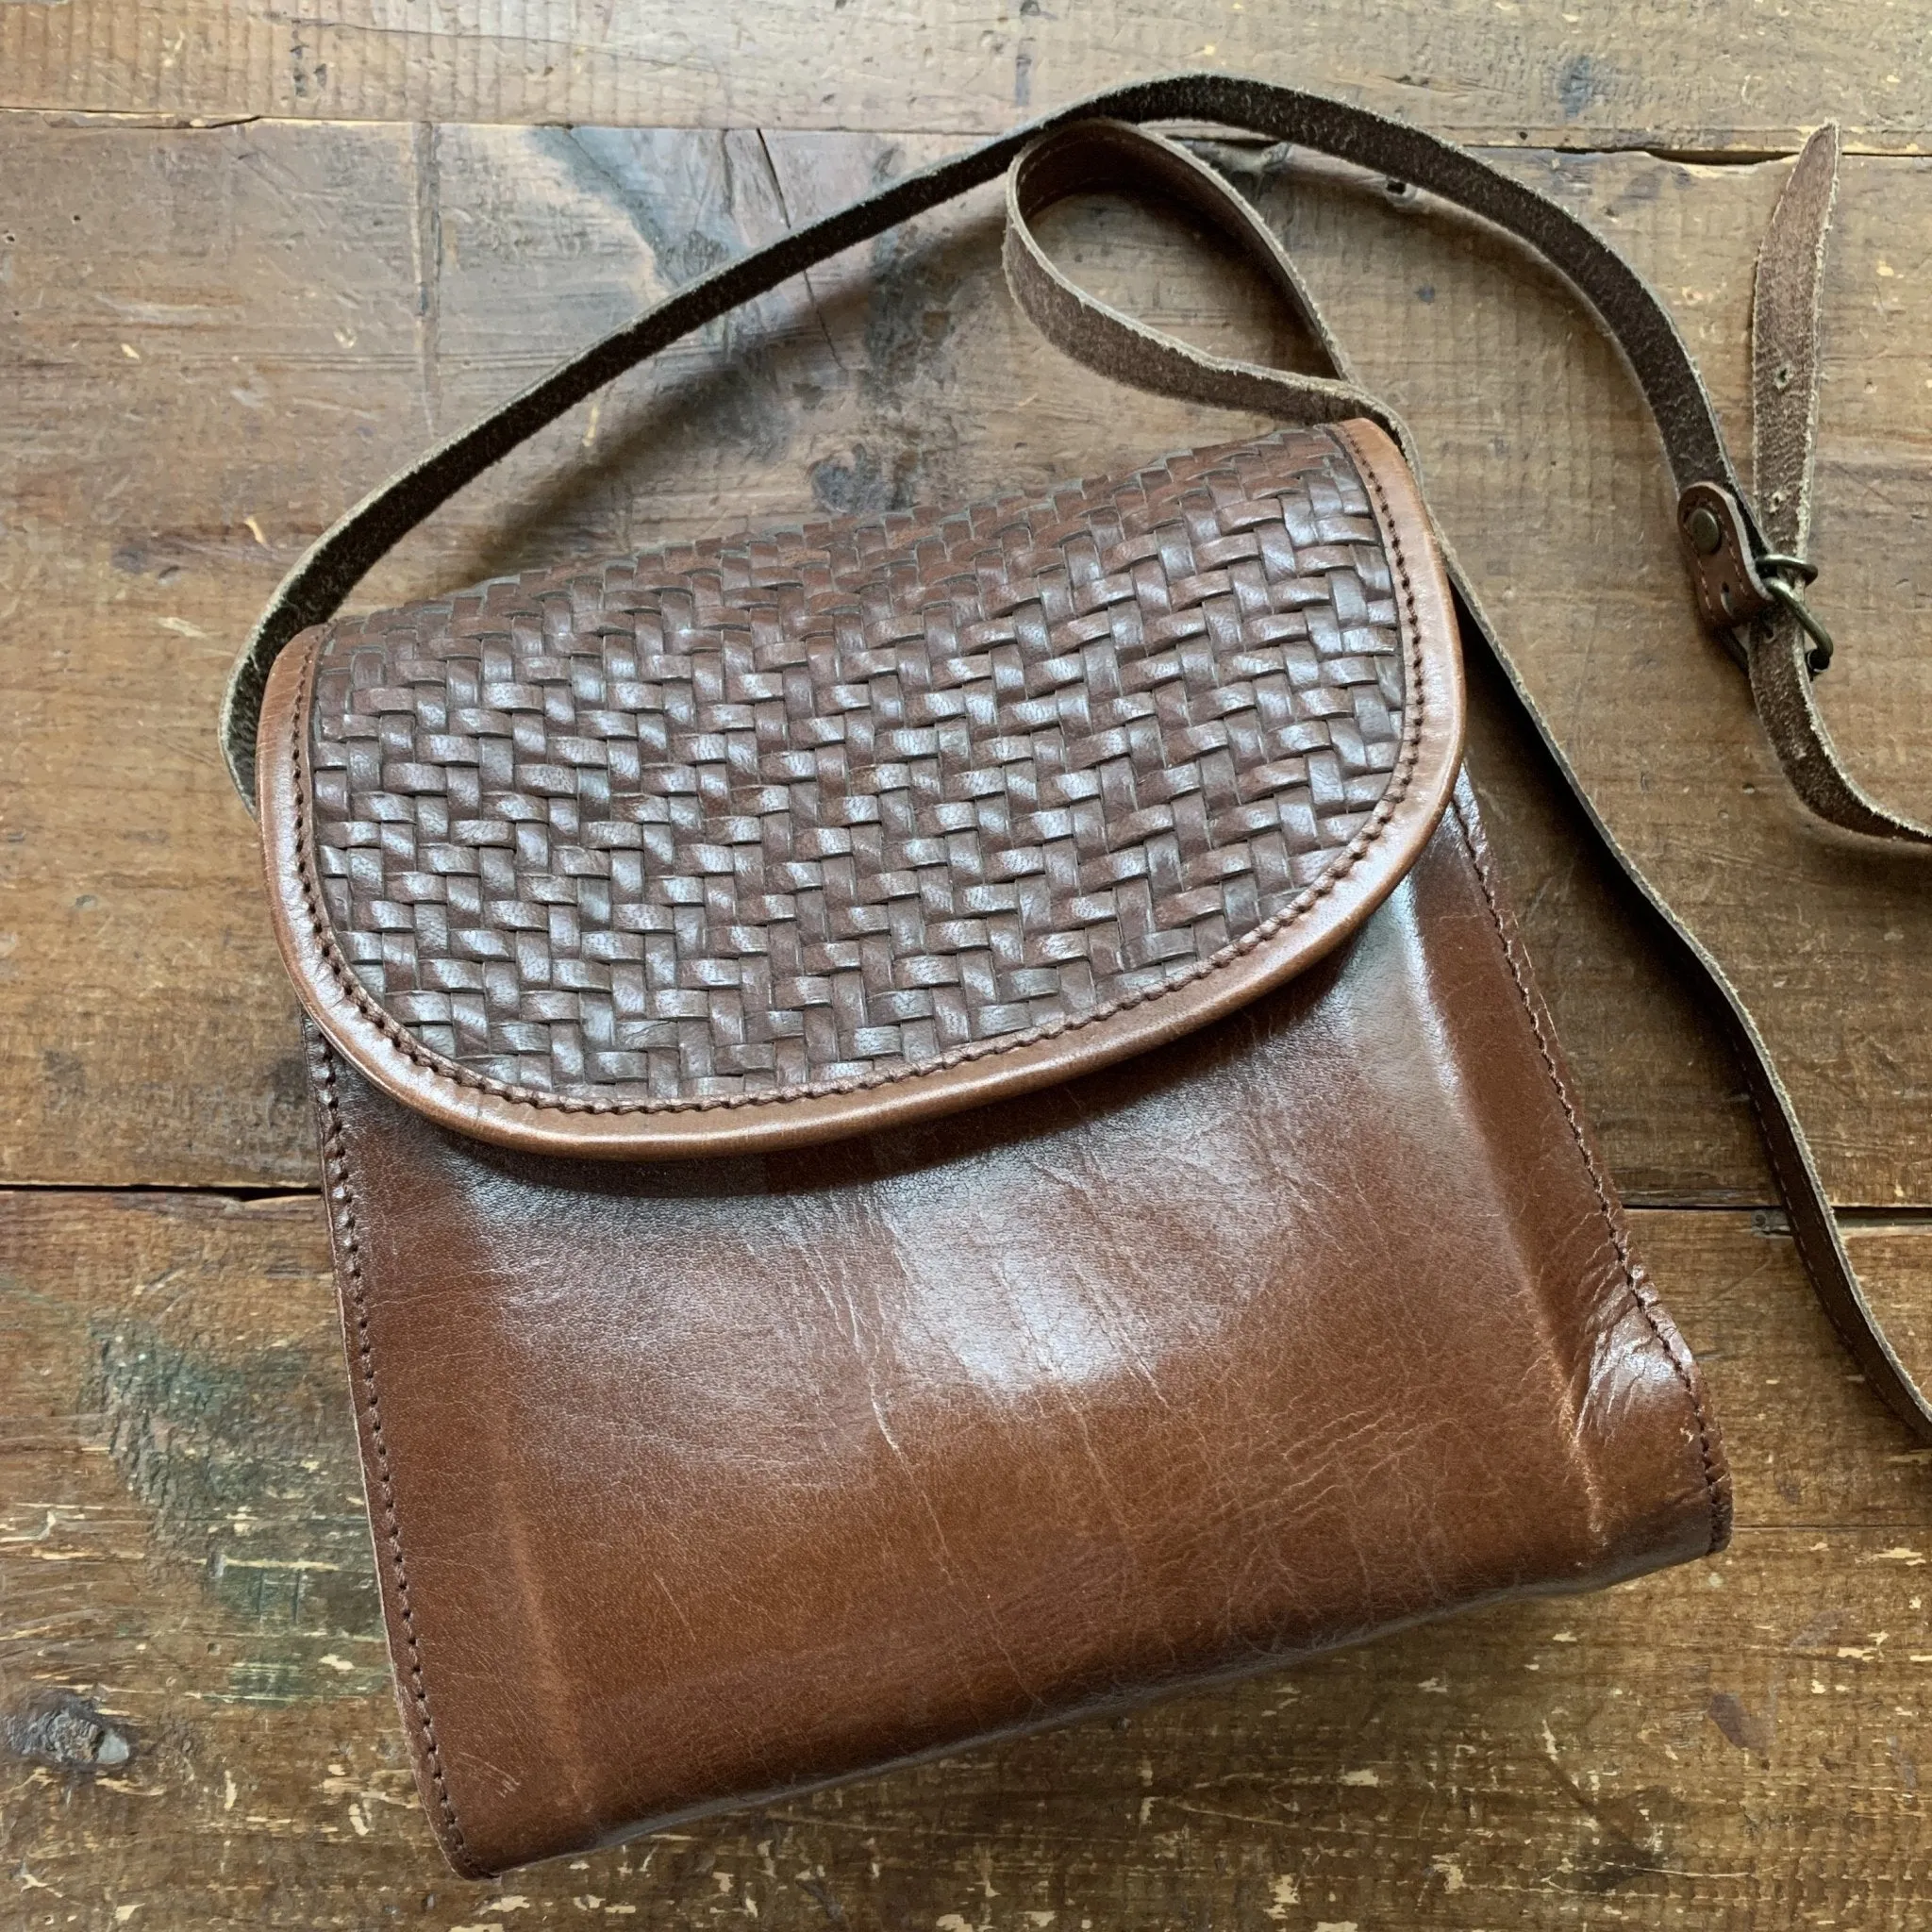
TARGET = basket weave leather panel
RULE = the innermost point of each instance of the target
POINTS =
(763, 815)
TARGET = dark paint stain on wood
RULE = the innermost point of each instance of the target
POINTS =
(689, 217)
(1740, 1726)
(1582, 82)
(1625, 1848)
(912, 311)
(288, 1082)
(867, 481)
(64, 1074)
(65, 1733)
(249, 1467)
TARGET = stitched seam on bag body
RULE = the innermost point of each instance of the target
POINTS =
(1415, 705)
(336, 1163)
(1619, 1238)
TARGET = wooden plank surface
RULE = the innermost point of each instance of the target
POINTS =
(214, 338)
(183, 1558)
(1738, 74)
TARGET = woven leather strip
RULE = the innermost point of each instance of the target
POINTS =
(765, 814)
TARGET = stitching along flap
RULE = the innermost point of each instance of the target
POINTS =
(763, 840)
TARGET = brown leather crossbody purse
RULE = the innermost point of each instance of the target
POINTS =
(936, 1122)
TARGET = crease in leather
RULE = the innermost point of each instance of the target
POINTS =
(1643, 1297)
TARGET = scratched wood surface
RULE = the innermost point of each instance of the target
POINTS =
(213, 337)
(1734, 74)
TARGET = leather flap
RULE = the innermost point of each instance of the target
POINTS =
(762, 841)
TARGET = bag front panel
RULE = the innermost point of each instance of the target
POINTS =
(700, 1481)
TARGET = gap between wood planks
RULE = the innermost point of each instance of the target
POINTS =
(1536, 141)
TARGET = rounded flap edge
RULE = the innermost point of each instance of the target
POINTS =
(1213, 626)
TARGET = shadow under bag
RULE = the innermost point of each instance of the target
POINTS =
(936, 1122)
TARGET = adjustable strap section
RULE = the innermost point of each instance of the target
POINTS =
(1787, 647)
(1128, 158)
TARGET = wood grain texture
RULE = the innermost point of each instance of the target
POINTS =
(198, 394)
(214, 339)
(182, 1554)
(1729, 74)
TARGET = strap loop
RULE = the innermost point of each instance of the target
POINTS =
(1103, 153)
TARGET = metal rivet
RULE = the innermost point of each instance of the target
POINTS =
(1706, 533)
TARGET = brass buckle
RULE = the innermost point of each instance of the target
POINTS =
(1776, 571)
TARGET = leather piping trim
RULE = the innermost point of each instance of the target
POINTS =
(1716, 1484)
(1360, 877)
(360, 1347)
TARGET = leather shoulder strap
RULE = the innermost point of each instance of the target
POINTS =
(1748, 588)
(1741, 580)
